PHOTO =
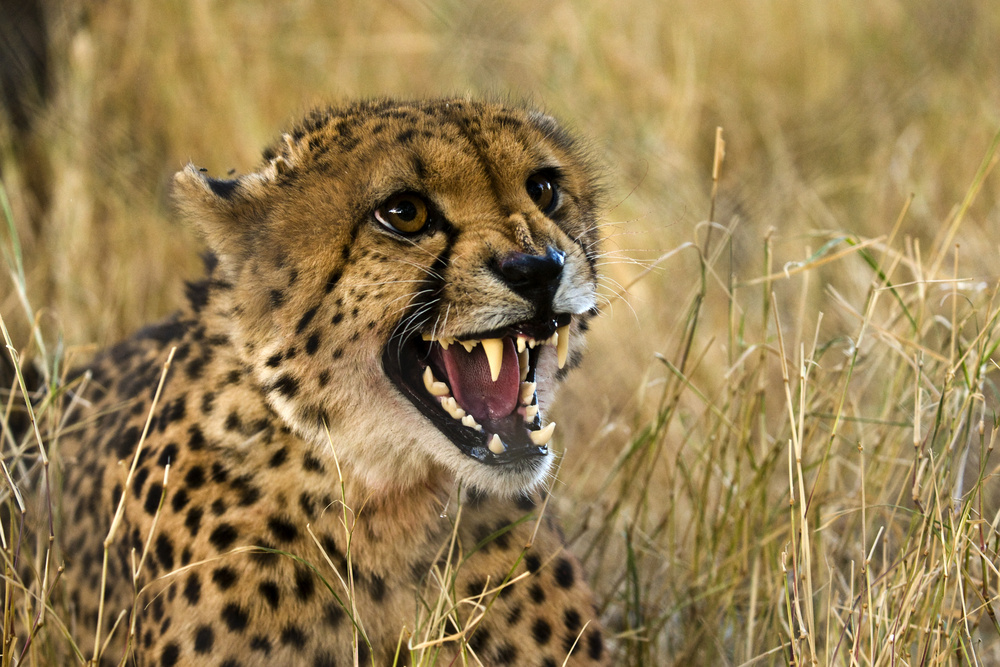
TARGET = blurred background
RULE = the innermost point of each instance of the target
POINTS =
(839, 118)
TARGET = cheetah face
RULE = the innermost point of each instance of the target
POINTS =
(410, 283)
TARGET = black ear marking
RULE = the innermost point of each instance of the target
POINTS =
(222, 187)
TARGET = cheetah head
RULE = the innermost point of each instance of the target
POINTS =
(409, 282)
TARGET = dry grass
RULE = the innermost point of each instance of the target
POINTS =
(780, 447)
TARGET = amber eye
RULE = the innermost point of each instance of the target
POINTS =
(406, 213)
(542, 191)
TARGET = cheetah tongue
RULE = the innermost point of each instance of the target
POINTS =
(473, 387)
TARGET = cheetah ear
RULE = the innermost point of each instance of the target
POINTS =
(225, 210)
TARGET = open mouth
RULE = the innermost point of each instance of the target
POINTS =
(480, 389)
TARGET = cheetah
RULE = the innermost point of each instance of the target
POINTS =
(336, 452)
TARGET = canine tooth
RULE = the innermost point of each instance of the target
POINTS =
(494, 354)
(522, 344)
(522, 362)
(469, 345)
(496, 444)
(433, 386)
(562, 344)
(542, 437)
(527, 391)
(530, 412)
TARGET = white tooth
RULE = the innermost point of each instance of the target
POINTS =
(445, 342)
(530, 412)
(522, 344)
(451, 406)
(542, 437)
(527, 391)
(469, 345)
(562, 344)
(434, 387)
(426, 336)
(522, 362)
(496, 444)
(494, 354)
(531, 343)
(470, 421)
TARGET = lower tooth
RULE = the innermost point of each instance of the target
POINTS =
(527, 391)
(542, 437)
(496, 444)
(470, 421)
(530, 413)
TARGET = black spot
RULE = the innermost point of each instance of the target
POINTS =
(165, 551)
(204, 638)
(304, 584)
(207, 405)
(506, 654)
(595, 644)
(235, 617)
(405, 136)
(219, 472)
(274, 360)
(514, 615)
(116, 495)
(308, 505)
(195, 477)
(180, 500)
(219, 507)
(171, 652)
(230, 662)
(138, 482)
(192, 589)
(333, 614)
(549, 662)
(479, 639)
(571, 619)
(541, 631)
(537, 594)
(168, 455)
(337, 318)
(125, 445)
(223, 536)
(278, 458)
(324, 660)
(261, 644)
(475, 587)
(277, 298)
(324, 378)
(564, 574)
(376, 588)
(312, 464)
(224, 577)
(338, 353)
(153, 498)
(312, 344)
(306, 319)
(292, 635)
(525, 502)
(193, 520)
(269, 590)
(248, 494)
(286, 385)
(233, 422)
(532, 562)
(196, 440)
(265, 556)
(224, 188)
(331, 281)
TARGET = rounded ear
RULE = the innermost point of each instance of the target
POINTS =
(227, 211)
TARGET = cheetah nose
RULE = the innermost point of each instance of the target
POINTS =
(533, 276)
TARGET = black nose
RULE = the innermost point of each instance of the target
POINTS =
(533, 276)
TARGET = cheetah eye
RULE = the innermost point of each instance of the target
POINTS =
(542, 191)
(405, 213)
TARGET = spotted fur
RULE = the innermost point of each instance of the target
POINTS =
(288, 505)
